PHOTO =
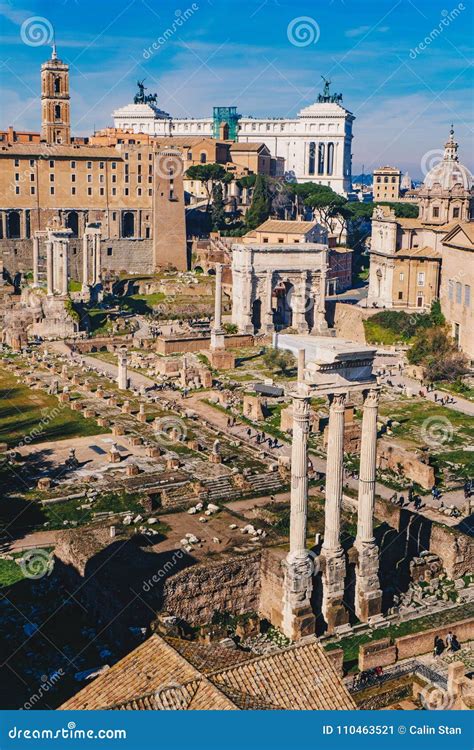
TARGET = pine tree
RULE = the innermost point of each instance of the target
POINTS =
(217, 208)
(259, 210)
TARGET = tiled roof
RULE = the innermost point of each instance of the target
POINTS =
(299, 677)
(160, 675)
(293, 227)
(420, 252)
(246, 146)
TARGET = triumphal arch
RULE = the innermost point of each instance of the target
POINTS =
(275, 287)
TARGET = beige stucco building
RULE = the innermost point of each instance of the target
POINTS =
(458, 285)
(133, 190)
(412, 260)
(386, 184)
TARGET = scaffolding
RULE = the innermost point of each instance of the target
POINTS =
(230, 117)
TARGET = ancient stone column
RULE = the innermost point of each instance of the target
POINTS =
(333, 563)
(97, 259)
(301, 364)
(64, 266)
(320, 324)
(49, 267)
(299, 304)
(85, 261)
(35, 261)
(368, 599)
(268, 314)
(122, 378)
(298, 618)
(217, 333)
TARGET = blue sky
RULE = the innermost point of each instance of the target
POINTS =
(243, 52)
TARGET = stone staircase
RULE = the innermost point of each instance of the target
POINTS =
(221, 488)
(264, 483)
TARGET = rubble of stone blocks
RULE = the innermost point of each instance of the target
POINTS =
(413, 466)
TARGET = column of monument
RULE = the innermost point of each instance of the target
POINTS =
(62, 261)
(122, 378)
(49, 267)
(368, 595)
(299, 300)
(269, 326)
(333, 562)
(97, 259)
(298, 617)
(85, 262)
(320, 323)
(35, 261)
(217, 333)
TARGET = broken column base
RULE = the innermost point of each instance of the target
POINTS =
(368, 595)
(221, 359)
(298, 618)
(333, 567)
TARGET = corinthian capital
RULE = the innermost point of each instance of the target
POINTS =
(371, 398)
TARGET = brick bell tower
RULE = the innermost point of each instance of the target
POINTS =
(55, 110)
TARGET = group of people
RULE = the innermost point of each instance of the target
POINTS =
(452, 644)
(412, 498)
(261, 438)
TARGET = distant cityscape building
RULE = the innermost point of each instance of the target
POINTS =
(386, 185)
(316, 145)
(415, 261)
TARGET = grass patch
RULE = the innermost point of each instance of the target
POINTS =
(34, 414)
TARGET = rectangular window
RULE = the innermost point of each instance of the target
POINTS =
(400, 295)
(51, 190)
(17, 190)
(101, 165)
(73, 165)
(17, 176)
(455, 213)
(89, 165)
(139, 191)
(114, 191)
(89, 191)
(139, 156)
(89, 178)
(125, 191)
(32, 190)
(73, 178)
(435, 212)
(150, 191)
(402, 276)
(467, 295)
(114, 178)
(114, 215)
(109, 251)
(51, 164)
(73, 191)
(450, 289)
(101, 178)
(51, 177)
(17, 162)
(458, 292)
(32, 177)
(421, 278)
(32, 162)
(114, 165)
(101, 191)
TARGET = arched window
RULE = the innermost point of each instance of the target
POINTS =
(321, 150)
(128, 224)
(72, 222)
(13, 225)
(330, 158)
(203, 157)
(312, 158)
(57, 85)
(57, 111)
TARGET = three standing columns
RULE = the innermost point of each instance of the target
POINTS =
(298, 617)
(368, 595)
(333, 563)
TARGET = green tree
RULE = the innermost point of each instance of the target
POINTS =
(278, 360)
(437, 317)
(217, 208)
(259, 210)
(209, 175)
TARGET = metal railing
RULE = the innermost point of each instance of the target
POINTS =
(363, 681)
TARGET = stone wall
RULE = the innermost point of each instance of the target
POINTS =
(422, 643)
(131, 255)
(231, 585)
(348, 320)
(453, 547)
(391, 456)
(198, 343)
(382, 653)
(271, 574)
(378, 654)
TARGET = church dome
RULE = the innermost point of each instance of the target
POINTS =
(449, 172)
